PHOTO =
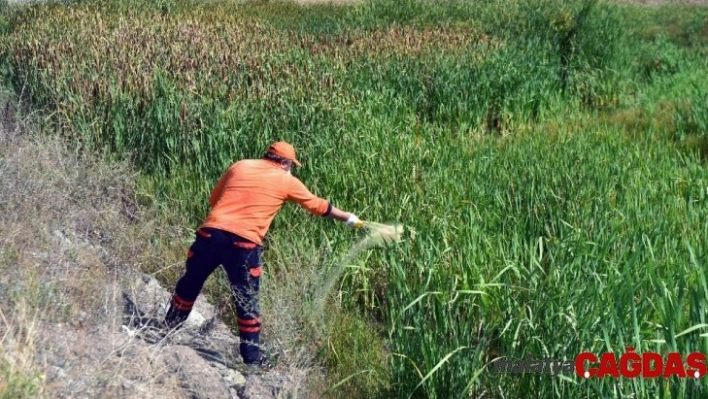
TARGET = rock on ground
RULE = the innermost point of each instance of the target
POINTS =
(123, 360)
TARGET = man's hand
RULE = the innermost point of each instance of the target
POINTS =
(354, 222)
(347, 218)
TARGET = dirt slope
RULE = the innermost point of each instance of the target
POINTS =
(72, 301)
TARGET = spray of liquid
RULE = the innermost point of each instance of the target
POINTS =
(375, 235)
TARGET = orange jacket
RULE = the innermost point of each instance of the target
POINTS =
(251, 192)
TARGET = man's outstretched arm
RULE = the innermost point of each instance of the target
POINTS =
(320, 207)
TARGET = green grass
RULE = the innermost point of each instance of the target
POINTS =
(550, 155)
(16, 385)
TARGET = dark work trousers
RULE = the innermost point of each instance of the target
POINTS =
(241, 260)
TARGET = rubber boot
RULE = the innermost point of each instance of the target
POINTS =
(178, 312)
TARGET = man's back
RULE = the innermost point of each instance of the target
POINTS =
(250, 194)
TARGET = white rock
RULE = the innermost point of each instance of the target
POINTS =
(195, 320)
(235, 379)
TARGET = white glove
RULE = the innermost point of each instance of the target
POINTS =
(354, 221)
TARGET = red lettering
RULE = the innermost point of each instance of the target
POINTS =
(674, 366)
(647, 370)
(580, 369)
(697, 362)
(628, 363)
(608, 365)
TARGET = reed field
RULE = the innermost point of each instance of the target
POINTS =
(550, 156)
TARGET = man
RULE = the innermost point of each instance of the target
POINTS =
(243, 205)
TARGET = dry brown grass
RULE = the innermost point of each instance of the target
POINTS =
(72, 237)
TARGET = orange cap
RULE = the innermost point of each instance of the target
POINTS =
(285, 150)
